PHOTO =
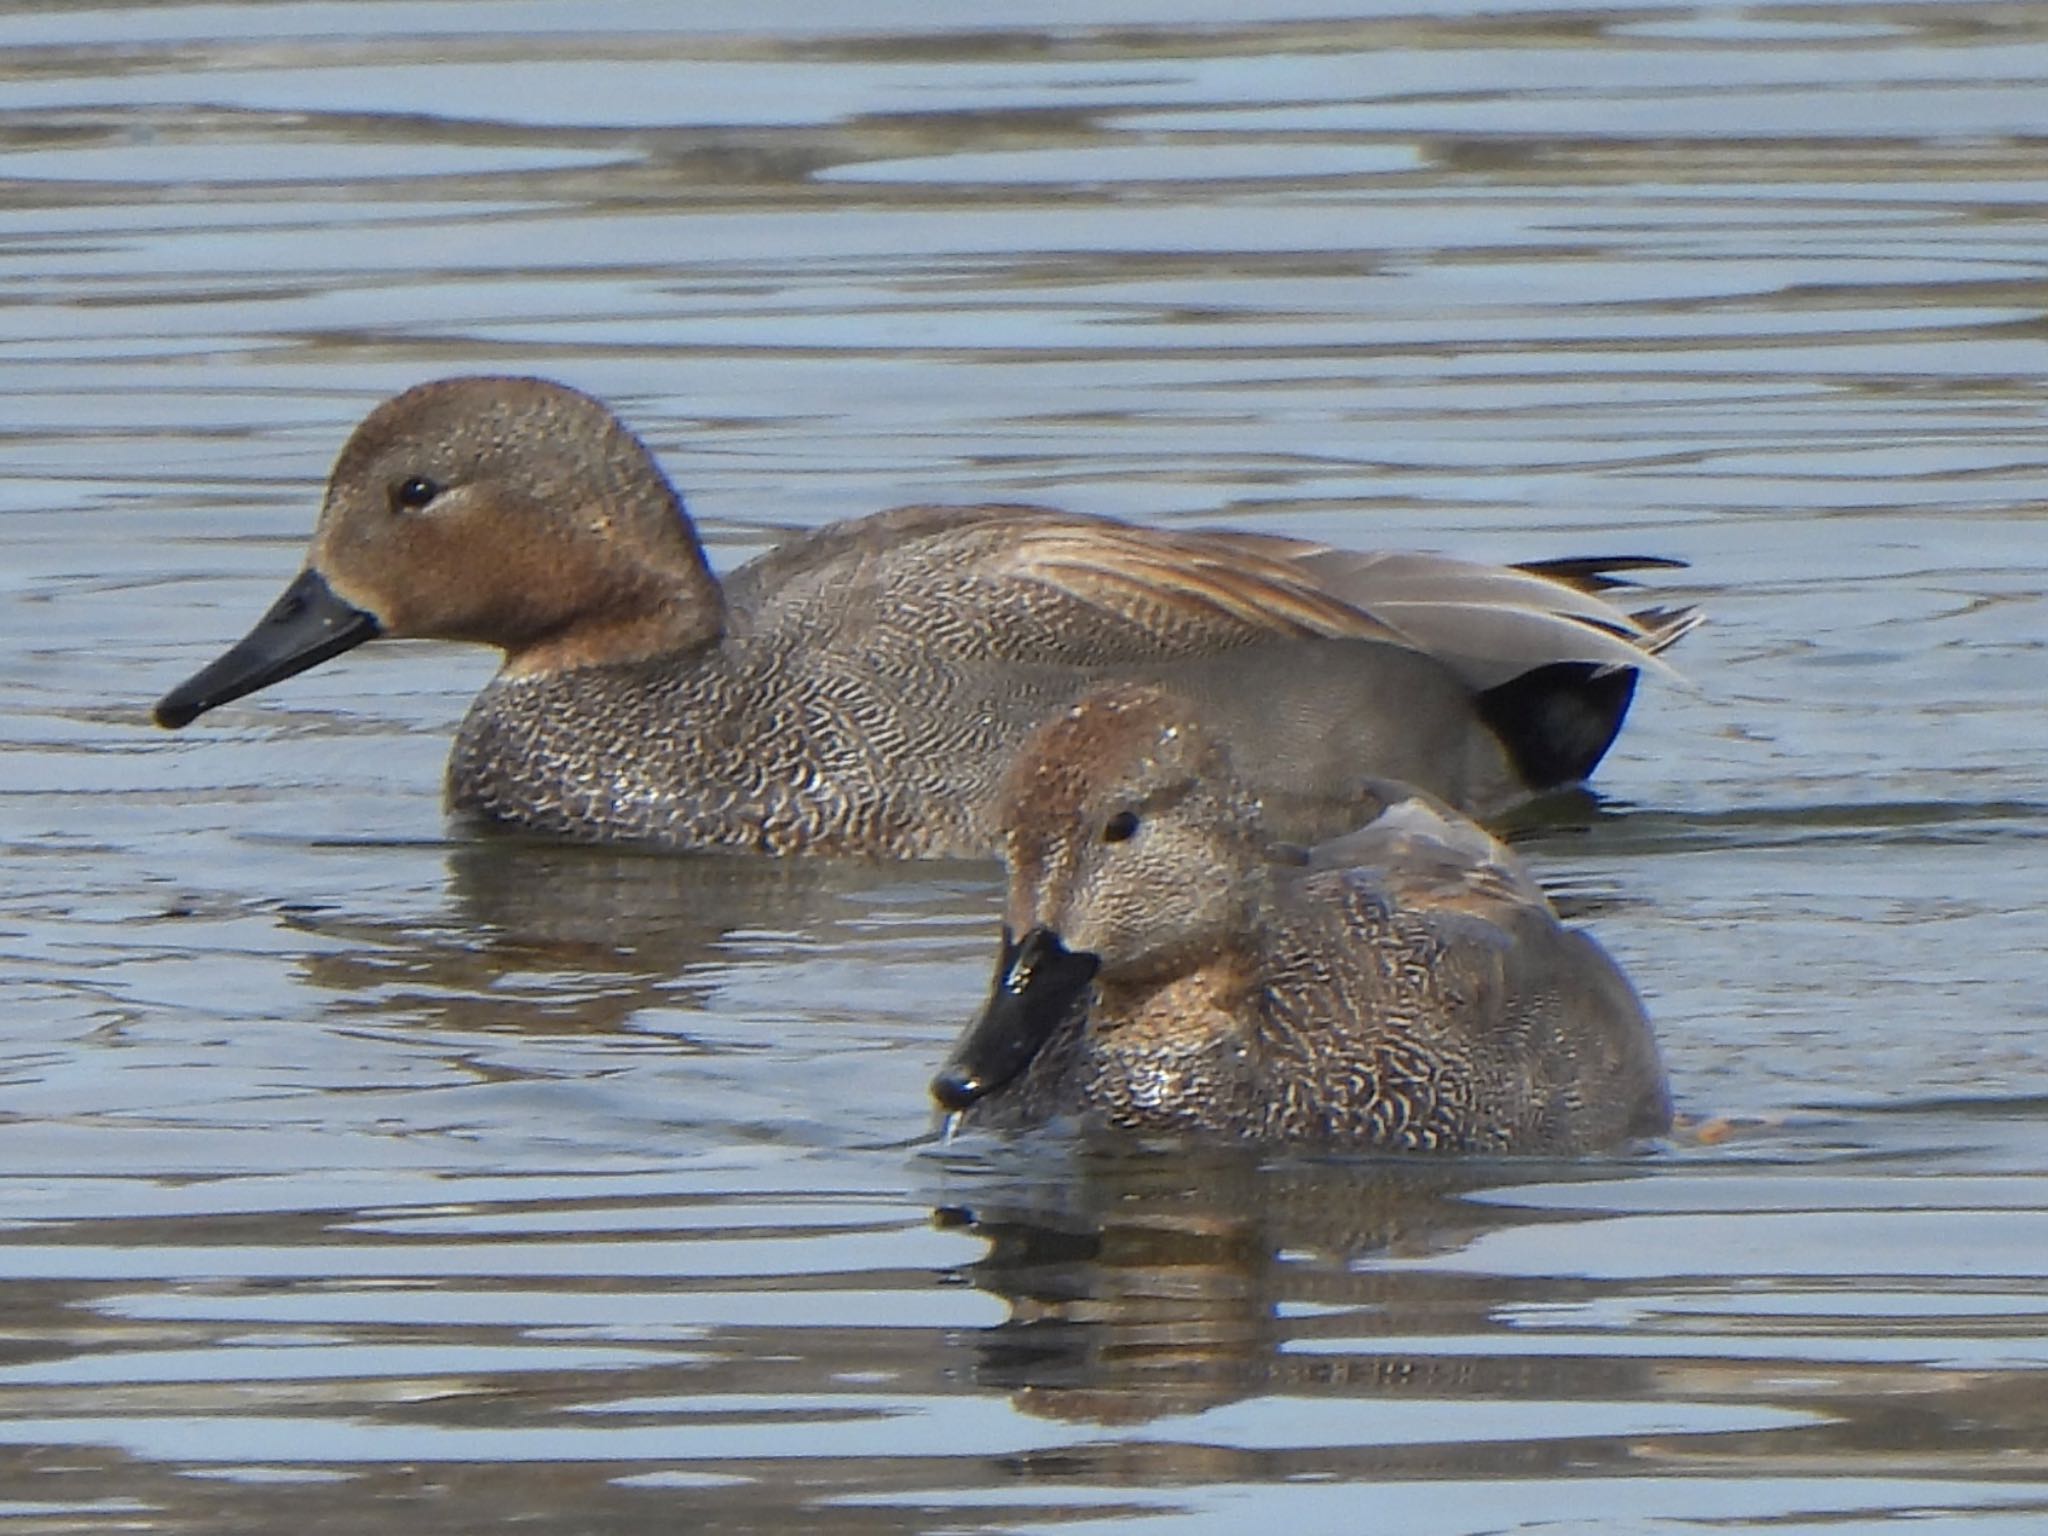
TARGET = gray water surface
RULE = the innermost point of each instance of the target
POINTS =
(355, 1170)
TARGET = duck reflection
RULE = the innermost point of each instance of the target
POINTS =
(1152, 1284)
(562, 937)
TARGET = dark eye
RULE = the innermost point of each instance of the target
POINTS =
(413, 494)
(1121, 827)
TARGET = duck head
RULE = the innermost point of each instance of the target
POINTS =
(1135, 856)
(513, 512)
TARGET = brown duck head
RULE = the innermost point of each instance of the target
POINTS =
(1135, 856)
(509, 511)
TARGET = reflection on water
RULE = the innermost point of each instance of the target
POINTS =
(1155, 1289)
(1068, 1335)
(359, 1169)
(558, 937)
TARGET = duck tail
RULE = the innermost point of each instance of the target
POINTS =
(1558, 721)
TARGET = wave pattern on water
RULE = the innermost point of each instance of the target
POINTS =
(358, 1170)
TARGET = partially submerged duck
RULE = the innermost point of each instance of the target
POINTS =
(1166, 969)
(861, 688)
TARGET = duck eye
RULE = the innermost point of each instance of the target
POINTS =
(413, 494)
(1121, 827)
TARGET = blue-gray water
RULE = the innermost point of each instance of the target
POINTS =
(355, 1172)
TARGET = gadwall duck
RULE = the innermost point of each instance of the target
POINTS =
(1165, 968)
(860, 689)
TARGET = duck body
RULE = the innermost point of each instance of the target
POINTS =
(1406, 988)
(872, 682)
(860, 689)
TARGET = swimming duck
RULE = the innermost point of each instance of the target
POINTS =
(1166, 968)
(860, 688)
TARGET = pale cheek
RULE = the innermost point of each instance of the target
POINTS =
(1125, 936)
(360, 590)
(1097, 927)
(371, 559)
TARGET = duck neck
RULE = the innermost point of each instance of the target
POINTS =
(1179, 1056)
(1202, 998)
(668, 613)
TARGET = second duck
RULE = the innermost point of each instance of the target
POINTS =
(860, 689)
(1167, 969)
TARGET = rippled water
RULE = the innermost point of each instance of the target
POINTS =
(357, 1172)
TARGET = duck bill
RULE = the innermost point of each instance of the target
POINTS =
(1038, 982)
(303, 628)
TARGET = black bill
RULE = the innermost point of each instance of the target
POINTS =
(303, 628)
(1038, 981)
